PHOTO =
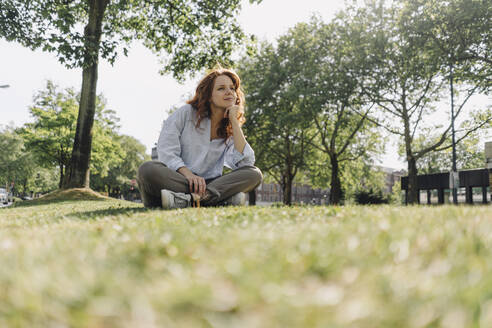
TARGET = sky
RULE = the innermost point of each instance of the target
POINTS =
(133, 87)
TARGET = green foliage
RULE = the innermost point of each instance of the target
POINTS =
(413, 50)
(359, 176)
(336, 98)
(107, 151)
(396, 196)
(16, 164)
(469, 155)
(20, 165)
(194, 34)
(304, 99)
(43, 180)
(276, 126)
(458, 34)
(370, 196)
(50, 137)
(112, 263)
(120, 174)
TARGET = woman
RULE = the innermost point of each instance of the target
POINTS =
(195, 143)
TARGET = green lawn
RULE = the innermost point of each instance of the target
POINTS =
(108, 263)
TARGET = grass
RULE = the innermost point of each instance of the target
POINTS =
(106, 263)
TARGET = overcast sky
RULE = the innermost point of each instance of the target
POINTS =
(133, 86)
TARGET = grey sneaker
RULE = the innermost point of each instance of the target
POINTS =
(171, 199)
(237, 199)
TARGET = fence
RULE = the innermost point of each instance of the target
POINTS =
(302, 194)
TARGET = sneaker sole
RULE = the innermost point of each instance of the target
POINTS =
(165, 198)
(240, 199)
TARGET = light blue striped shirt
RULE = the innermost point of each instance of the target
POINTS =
(182, 144)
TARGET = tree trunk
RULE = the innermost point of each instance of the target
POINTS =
(78, 174)
(287, 188)
(412, 181)
(62, 177)
(412, 193)
(287, 175)
(24, 186)
(336, 194)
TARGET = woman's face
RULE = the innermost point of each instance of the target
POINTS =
(223, 93)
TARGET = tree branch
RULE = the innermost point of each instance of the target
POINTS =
(370, 119)
(465, 135)
(356, 129)
(183, 14)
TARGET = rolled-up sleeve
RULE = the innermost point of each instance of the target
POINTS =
(168, 145)
(234, 159)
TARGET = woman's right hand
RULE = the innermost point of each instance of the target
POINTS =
(196, 183)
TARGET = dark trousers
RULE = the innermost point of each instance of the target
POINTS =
(154, 175)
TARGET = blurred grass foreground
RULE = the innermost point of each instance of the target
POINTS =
(81, 260)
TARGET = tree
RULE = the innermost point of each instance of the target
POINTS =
(194, 33)
(463, 45)
(334, 96)
(42, 180)
(121, 173)
(51, 136)
(459, 34)
(311, 98)
(17, 164)
(407, 82)
(276, 127)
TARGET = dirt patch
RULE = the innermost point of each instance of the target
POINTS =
(73, 194)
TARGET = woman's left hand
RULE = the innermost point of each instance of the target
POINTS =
(234, 112)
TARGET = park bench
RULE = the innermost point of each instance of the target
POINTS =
(468, 179)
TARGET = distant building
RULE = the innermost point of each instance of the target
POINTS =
(273, 193)
(391, 176)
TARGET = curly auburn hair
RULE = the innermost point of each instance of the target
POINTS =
(203, 94)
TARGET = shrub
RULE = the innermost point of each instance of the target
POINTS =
(370, 197)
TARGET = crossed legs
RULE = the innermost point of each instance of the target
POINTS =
(153, 176)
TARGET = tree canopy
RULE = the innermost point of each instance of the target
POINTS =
(276, 126)
(15, 162)
(121, 174)
(193, 34)
(50, 137)
(20, 171)
(410, 72)
(303, 98)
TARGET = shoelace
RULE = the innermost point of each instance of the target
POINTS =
(182, 201)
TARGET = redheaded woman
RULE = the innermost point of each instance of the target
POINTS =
(195, 144)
